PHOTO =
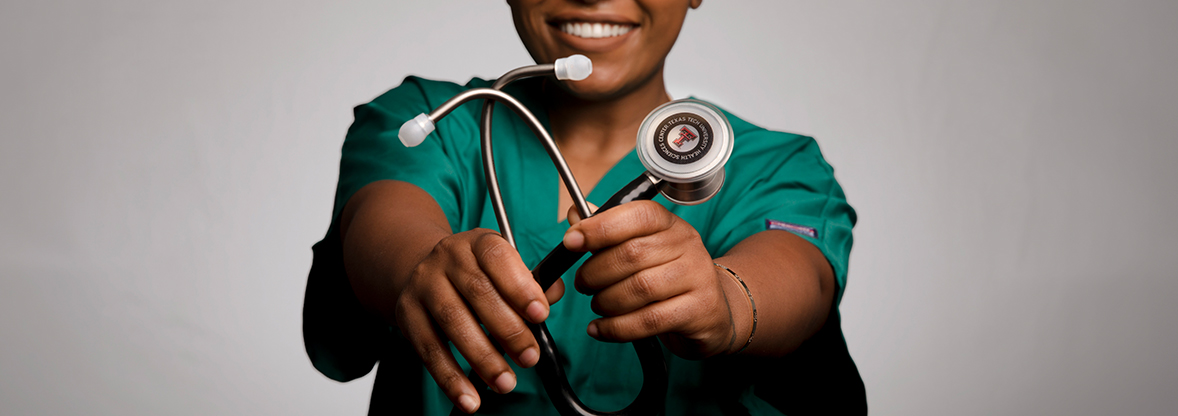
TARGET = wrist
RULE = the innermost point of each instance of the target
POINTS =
(742, 307)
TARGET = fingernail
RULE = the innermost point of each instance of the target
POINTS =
(504, 383)
(529, 358)
(573, 240)
(592, 330)
(536, 312)
(468, 403)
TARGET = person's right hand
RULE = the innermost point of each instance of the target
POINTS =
(470, 278)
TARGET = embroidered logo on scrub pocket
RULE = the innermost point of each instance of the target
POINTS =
(793, 228)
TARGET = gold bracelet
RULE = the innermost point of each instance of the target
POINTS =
(752, 303)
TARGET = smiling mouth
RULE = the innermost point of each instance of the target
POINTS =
(594, 30)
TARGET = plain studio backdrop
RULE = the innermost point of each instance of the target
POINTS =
(165, 167)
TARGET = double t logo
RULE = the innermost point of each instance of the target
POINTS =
(685, 135)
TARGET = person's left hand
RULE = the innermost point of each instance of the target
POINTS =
(651, 275)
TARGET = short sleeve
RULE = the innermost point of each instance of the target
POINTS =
(372, 151)
(781, 181)
(342, 340)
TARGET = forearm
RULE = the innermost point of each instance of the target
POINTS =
(792, 284)
(388, 226)
(442, 289)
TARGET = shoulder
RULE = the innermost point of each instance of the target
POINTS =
(418, 95)
(382, 117)
(779, 179)
(770, 149)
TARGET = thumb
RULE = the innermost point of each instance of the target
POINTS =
(575, 217)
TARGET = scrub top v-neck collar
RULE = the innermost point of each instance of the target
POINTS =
(532, 196)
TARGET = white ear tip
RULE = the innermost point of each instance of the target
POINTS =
(574, 68)
(413, 132)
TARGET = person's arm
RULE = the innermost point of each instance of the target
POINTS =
(793, 286)
(436, 287)
(651, 275)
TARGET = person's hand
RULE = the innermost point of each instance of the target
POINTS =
(470, 278)
(651, 275)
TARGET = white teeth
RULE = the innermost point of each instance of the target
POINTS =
(594, 30)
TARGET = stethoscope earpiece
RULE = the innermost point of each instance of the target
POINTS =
(685, 144)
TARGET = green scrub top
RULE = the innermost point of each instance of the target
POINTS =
(774, 180)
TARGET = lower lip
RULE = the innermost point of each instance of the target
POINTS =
(593, 44)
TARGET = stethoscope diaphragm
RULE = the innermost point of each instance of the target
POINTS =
(685, 143)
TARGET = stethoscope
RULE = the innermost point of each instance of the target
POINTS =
(683, 144)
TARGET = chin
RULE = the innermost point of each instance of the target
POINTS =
(592, 91)
(602, 85)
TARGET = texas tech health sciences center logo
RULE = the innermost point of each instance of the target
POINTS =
(683, 138)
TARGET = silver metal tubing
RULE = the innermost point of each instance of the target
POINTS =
(538, 129)
(523, 72)
(489, 153)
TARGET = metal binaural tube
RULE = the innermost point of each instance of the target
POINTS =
(576, 67)
(493, 188)
(530, 119)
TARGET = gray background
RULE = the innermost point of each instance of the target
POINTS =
(166, 165)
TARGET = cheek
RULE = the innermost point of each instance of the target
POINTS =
(536, 37)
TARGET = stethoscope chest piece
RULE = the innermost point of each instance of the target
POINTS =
(685, 143)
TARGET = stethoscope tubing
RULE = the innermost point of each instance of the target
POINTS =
(651, 397)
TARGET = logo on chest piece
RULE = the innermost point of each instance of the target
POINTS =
(685, 135)
(683, 138)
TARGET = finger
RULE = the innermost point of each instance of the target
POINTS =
(555, 292)
(435, 355)
(512, 279)
(574, 215)
(654, 319)
(616, 263)
(642, 288)
(501, 321)
(458, 324)
(619, 224)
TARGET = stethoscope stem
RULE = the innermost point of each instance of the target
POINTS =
(560, 259)
(651, 398)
